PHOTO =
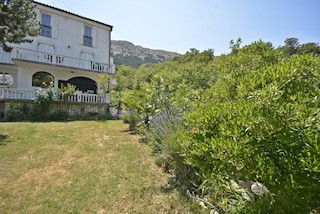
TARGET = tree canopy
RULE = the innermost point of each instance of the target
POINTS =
(17, 21)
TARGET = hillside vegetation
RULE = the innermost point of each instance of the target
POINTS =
(126, 53)
(240, 131)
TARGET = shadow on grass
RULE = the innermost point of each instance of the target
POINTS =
(3, 140)
(170, 186)
(131, 132)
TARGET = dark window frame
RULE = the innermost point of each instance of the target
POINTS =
(46, 29)
(87, 36)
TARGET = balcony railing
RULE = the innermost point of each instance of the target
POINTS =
(55, 59)
(18, 94)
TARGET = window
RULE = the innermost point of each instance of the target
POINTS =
(45, 25)
(42, 77)
(87, 37)
(6, 79)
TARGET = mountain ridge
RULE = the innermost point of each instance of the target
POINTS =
(126, 53)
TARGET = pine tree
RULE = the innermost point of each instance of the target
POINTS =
(17, 21)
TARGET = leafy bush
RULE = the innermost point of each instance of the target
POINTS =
(43, 99)
(66, 90)
(132, 118)
(22, 113)
(254, 119)
(106, 116)
(268, 133)
(59, 116)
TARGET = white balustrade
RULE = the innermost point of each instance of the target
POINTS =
(89, 98)
(55, 59)
(17, 94)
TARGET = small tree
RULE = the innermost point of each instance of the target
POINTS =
(17, 21)
(65, 91)
(104, 82)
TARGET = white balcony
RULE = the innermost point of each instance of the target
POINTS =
(18, 94)
(55, 59)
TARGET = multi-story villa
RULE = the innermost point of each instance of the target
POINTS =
(69, 49)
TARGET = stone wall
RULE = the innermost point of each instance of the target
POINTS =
(72, 108)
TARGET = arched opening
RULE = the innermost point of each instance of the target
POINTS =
(42, 77)
(84, 84)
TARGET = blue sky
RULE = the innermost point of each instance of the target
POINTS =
(178, 25)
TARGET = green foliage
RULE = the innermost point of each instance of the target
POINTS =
(22, 113)
(132, 118)
(292, 46)
(309, 48)
(43, 99)
(249, 116)
(59, 116)
(66, 91)
(17, 21)
(269, 132)
(134, 61)
(104, 82)
(235, 46)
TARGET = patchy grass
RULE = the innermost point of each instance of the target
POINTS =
(81, 167)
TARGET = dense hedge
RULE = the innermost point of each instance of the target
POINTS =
(230, 123)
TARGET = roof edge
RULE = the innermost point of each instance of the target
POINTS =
(74, 14)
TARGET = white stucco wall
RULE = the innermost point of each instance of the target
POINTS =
(67, 35)
(67, 39)
(26, 70)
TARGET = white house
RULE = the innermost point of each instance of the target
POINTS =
(70, 49)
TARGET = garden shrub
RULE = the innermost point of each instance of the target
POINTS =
(43, 99)
(105, 116)
(269, 133)
(59, 116)
(66, 91)
(132, 118)
(249, 117)
(22, 113)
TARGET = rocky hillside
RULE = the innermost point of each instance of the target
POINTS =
(126, 53)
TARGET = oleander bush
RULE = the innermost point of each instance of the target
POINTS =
(269, 132)
(246, 120)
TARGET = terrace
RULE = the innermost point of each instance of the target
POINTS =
(17, 94)
(55, 59)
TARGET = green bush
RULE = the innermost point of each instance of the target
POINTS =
(59, 116)
(254, 118)
(105, 116)
(132, 118)
(43, 99)
(22, 113)
(269, 133)
(65, 91)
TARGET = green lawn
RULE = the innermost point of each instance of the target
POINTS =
(81, 167)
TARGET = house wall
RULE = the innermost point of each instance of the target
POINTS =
(26, 70)
(67, 39)
(67, 35)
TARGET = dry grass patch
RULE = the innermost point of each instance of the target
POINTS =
(80, 167)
